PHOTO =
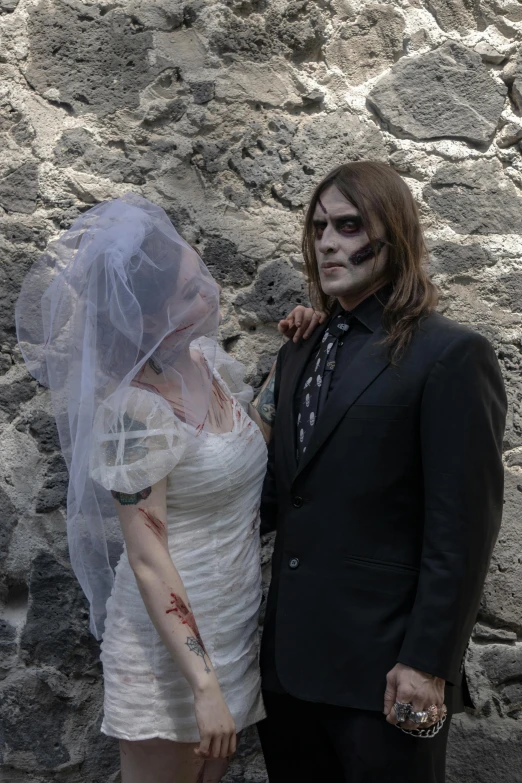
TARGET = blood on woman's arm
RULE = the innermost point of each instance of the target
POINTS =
(155, 524)
(184, 613)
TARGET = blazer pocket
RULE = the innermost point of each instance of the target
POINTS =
(386, 412)
(383, 565)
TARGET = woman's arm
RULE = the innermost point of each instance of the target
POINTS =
(262, 409)
(144, 525)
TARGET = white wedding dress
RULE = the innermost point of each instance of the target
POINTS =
(213, 494)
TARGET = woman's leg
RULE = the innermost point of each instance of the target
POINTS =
(163, 761)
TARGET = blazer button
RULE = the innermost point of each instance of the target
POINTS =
(294, 563)
(298, 502)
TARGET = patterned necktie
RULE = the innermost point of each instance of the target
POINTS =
(317, 382)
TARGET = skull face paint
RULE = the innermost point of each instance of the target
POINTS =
(366, 253)
(348, 268)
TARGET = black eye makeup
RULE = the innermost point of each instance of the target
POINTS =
(319, 227)
(346, 225)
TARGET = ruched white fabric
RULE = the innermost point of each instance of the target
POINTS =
(213, 495)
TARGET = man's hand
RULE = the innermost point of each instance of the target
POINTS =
(411, 686)
(300, 323)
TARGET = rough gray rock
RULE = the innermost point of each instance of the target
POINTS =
(503, 591)
(276, 160)
(78, 150)
(42, 427)
(8, 6)
(25, 694)
(53, 493)
(509, 135)
(7, 646)
(364, 47)
(19, 189)
(13, 122)
(485, 634)
(248, 765)
(17, 233)
(489, 54)
(475, 198)
(510, 357)
(16, 257)
(317, 147)
(445, 93)
(102, 759)
(460, 15)
(227, 265)
(294, 28)
(77, 51)
(453, 259)
(15, 393)
(56, 632)
(508, 289)
(502, 663)
(513, 78)
(162, 15)
(497, 743)
(203, 92)
(277, 289)
(8, 523)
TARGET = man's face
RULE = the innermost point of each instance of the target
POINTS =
(347, 268)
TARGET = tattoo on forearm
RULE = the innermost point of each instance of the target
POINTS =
(131, 500)
(195, 647)
(155, 524)
(185, 614)
(265, 402)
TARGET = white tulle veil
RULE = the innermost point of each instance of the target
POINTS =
(119, 289)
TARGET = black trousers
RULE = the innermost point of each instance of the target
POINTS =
(321, 743)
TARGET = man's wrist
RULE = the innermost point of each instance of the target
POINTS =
(430, 671)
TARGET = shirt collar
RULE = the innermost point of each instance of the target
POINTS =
(369, 311)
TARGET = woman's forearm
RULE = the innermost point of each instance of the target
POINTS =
(167, 603)
(262, 409)
(143, 519)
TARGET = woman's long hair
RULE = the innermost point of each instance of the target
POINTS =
(377, 191)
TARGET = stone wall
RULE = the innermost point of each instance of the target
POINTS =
(226, 112)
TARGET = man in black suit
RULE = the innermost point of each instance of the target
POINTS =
(385, 487)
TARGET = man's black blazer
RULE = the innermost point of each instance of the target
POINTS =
(386, 528)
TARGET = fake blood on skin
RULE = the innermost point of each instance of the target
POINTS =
(181, 610)
(154, 524)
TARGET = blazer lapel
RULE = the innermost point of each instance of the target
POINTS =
(371, 360)
(295, 365)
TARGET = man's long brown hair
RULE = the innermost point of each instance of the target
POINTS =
(377, 191)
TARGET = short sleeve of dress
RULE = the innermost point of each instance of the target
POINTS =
(137, 440)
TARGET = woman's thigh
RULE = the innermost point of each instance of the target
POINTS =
(163, 761)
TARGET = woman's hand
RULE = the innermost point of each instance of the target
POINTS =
(216, 726)
(301, 323)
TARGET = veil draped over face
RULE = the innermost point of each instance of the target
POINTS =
(119, 296)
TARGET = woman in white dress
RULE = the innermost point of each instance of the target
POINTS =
(153, 423)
